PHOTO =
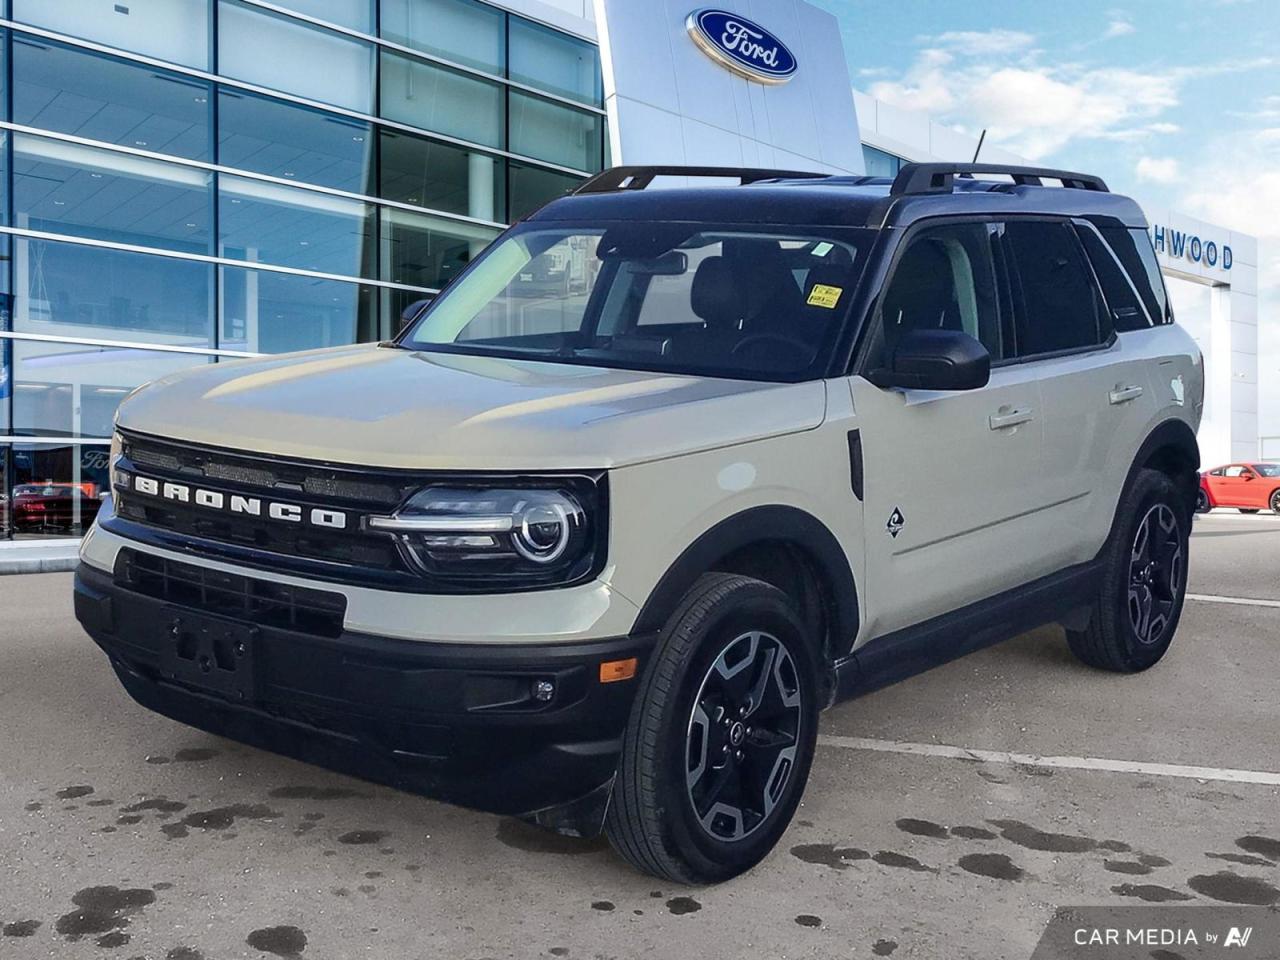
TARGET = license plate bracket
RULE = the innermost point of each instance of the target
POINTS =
(210, 653)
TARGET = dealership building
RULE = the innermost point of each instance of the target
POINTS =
(194, 181)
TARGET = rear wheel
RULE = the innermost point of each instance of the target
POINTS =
(721, 738)
(1202, 502)
(1144, 581)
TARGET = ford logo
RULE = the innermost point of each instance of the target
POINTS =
(746, 48)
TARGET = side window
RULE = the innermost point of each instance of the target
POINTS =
(1133, 246)
(1126, 308)
(945, 280)
(1054, 288)
(1236, 471)
(1221, 471)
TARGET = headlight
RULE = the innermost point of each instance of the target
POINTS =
(117, 478)
(505, 537)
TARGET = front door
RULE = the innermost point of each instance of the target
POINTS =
(950, 476)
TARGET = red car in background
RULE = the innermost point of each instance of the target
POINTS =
(1249, 487)
(53, 507)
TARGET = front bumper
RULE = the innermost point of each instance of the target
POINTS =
(452, 721)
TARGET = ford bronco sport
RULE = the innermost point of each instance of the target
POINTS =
(596, 552)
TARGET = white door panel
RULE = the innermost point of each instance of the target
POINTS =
(958, 473)
(1096, 408)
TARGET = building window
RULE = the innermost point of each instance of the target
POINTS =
(54, 490)
(6, 389)
(72, 390)
(288, 227)
(550, 131)
(174, 30)
(466, 32)
(442, 177)
(66, 90)
(531, 187)
(353, 14)
(61, 187)
(426, 251)
(555, 62)
(441, 100)
(69, 290)
(294, 142)
(282, 53)
(266, 312)
(879, 163)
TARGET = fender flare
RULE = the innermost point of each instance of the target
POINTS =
(1175, 434)
(758, 525)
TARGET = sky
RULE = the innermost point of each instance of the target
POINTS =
(1176, 103)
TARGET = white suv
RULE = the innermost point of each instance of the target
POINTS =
(663, 474)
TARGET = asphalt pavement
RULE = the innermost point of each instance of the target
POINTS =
(946, 817)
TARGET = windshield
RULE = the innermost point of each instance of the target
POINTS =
(728, 301)
(1268, 469)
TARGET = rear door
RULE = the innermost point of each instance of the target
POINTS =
(951, 476)
(1095, 384)
(1236, 487)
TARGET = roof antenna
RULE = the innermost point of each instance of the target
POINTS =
(979, 149)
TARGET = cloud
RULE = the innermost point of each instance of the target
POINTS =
(1158, 170)
(1037, 108)
(1118, 28)
(984, 43)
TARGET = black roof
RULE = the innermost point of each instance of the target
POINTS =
(920, 191)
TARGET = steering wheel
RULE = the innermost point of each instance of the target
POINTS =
(802, 351)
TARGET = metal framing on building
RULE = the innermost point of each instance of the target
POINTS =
(196, 181)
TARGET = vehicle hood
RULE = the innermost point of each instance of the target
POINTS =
(397, 408)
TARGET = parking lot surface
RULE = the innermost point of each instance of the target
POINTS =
(124, 834)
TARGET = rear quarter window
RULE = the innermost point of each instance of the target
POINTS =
(1133, 248)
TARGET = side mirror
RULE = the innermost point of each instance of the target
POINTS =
(1247, 476)
(936, 360)
(413, 311)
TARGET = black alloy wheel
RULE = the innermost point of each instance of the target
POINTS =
(1156, 574)
(743, 734)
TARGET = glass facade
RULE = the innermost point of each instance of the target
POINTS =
(188, 181)
(880, 163)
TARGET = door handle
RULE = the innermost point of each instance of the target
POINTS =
(1124, 394)
(1014, 418)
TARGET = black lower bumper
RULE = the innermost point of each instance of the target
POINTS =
(451, 721)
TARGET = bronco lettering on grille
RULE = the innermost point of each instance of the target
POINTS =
(235, 503)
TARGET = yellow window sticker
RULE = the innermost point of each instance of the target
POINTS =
(824, 296)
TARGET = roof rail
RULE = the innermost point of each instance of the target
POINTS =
(917, 178)
(638, 178)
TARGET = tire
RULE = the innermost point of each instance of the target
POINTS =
(1202, 502)
(1275, 501)
(1249, 510)
(1144, 580)
(733, 640)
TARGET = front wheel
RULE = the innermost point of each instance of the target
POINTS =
(1202, 502)
(1144, 581)
(721, 738)
(1275, 501)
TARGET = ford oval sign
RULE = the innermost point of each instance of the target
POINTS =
(746, 48)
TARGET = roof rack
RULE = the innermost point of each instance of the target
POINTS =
(638, 178)
(917, 178)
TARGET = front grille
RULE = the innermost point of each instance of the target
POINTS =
(317, 612)
(355, 492)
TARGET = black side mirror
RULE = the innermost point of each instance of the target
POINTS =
(936, 360)
(413, 311)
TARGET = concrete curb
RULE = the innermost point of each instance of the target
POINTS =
(38, 565)
(36, 556)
